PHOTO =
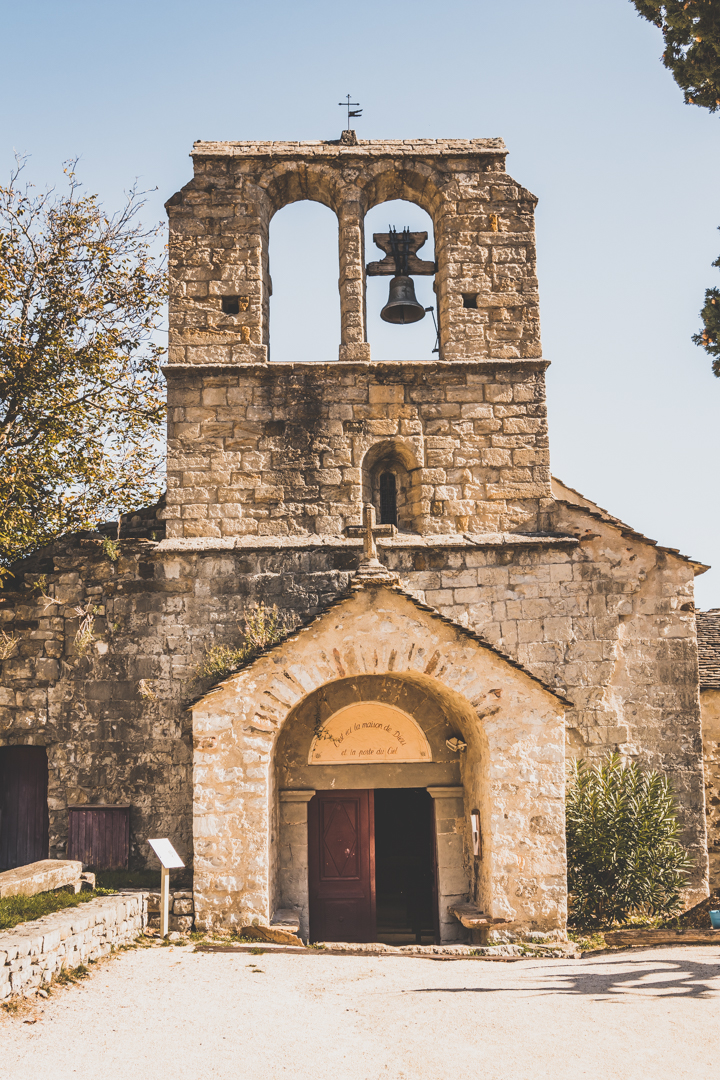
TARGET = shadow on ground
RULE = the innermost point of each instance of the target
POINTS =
(612, 977)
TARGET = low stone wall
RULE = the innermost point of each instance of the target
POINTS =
(33, 952)
(182, 911)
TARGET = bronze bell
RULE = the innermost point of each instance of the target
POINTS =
(402, 305)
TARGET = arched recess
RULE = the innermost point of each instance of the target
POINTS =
(414, 341)
(304, 302)
(392, 477)
(423, 185)
(289, 182)
(440, 716)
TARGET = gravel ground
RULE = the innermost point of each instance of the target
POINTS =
(170, 1011)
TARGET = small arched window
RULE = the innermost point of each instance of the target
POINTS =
(391, 483)
(388, 499)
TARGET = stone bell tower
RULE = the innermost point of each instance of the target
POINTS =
(264, 449)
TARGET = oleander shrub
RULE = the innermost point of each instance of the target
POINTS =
(625, 858)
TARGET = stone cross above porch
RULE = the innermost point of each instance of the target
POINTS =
(370, 565)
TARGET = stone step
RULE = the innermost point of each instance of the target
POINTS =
(645, 936)
(42, 876)
(473, 918)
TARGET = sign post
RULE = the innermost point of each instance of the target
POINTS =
(169, 859)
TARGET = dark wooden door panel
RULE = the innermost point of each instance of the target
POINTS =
(339, 828)
(99, 836)
(341, 862)
(340, 919)
(23, 805)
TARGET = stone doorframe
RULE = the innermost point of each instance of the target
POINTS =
(453, 882)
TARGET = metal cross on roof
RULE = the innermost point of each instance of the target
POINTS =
(353, 108)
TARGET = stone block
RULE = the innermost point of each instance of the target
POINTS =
(279, 935)
(181, 923)
(392, 393)
(42, 876)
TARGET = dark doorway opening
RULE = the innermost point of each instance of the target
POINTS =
(405, 890)
(23, 805)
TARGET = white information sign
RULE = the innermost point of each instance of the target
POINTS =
(166, 853)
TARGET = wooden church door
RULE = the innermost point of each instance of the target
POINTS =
(341, 864)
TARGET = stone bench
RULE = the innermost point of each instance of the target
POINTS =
(283, 930)
(473, 918)
(44, 876)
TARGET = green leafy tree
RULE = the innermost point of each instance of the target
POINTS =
(81, 391)
(691, 31)
(624, 855)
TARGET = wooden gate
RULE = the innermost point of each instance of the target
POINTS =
(99, 836)
(341, 864)
(23, 805)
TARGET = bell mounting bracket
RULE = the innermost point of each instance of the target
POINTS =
(400, 254)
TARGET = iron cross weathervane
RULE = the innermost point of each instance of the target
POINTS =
(353, 108)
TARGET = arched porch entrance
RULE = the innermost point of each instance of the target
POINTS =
(253, 777)
(371, 821)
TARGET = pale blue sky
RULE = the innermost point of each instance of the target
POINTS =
(625, 172)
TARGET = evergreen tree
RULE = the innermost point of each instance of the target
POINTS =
(691, 30)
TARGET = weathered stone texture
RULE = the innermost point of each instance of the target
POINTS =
(603, 618)
(43, 876)
(106, 742)
(269, 466)
(708, 629)
(710, 708)
(513, 727)
(290, 449)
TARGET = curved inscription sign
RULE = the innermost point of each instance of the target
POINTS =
(369, 731)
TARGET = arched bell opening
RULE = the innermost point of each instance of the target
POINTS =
(304, 306)
(399, 282)
(372, 791)
(391, 483)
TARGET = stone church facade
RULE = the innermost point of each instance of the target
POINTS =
(505, 624)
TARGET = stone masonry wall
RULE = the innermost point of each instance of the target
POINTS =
(513, 768)
(33, 953)
(606, 618)
(108, 738)
(256, 451)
